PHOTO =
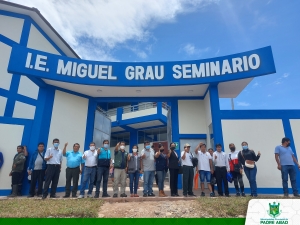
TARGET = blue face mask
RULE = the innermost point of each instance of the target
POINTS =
(148, 146)
(105, 145)
(245, 147)
(56, 145)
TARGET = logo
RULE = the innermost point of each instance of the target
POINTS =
(274, 210)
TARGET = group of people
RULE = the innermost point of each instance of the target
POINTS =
(96, 165)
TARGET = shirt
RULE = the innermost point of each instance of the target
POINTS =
(221, 160)
(285, 155)
(188, 159)
(91, 158)
(74, 159)
(38, 164)
(203, 161)
(57, 156)
(148, 162)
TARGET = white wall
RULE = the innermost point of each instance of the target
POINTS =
(5, 77)
(263, 136)
(140, 113)
(207, 109)
(192, 117)
(23, 111)
(295, 125)
(68, 124)
(15, 26)
(28, 88)
(11, 137)
(3, 101)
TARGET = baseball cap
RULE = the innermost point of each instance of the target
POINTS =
(187, 145)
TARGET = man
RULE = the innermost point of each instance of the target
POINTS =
(74, 168)
(104, 162)
(147, 155)
(53, 156)
(205, 167)
(221, 168)
(90, 157)
(17, 170)
(187, 171)
(37, 167)
(286, 160)
(235, 171)
(120, 166)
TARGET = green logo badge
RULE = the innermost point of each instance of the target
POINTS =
(274, 210)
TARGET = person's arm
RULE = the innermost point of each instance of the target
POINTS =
(197, 148)
(117, 147)
(256, 157)
(278, 161)
(296, 161)
(240, 158)
(211, 166)
(128, 157)
(142, 165)
(143, 155)
(169, 153)
(20, 160)
(25, 151)
(157, 154)
(227, 163)
(65, 149)
(184, 155)
(81, 167)
(48, 155)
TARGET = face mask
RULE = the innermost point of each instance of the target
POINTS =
(162, 150)
(288, 145)
(172, 148)
(122, 147)
(105, 145)
(134, 150)
(232, 148)
(92, 148)
(148, 147)
(56, 145)
(245, 147)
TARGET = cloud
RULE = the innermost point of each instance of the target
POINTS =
(217, 52)
(245, 104)
(285, 75)
(255, 85)
(106, 24)
(190, 49)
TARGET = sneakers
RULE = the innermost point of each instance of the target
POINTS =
(81, 196)
(227, 195)
(115, 195)
(89, 196)
(54, 196)
(212, 194)
(296, 195)
(192, 195)
(123, 195)
(66, 196)
(185, 195)
(202, 194)
(145, 195)
(106, 196)
(151, 195)
(238, 194)
(96, 196)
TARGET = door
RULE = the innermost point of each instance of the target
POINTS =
(102, 128)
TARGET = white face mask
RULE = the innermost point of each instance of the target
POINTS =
(134, 150)
(122, 147)
(92, 148)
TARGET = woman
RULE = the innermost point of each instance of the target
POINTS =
(134, 170)
(161, 168)
(247, 159)
(173, 168)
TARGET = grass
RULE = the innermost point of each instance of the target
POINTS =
(62, 208)
(227, 207)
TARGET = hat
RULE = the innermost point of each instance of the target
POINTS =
(187, 145)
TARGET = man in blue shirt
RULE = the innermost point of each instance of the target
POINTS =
(286, 160)
(74, 161)
(104, 162)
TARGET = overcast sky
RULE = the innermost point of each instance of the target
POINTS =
(166, 30)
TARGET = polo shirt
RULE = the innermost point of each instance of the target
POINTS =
(203, 161)
(74, 159)
(104, 154)
(91, 158)
(148, 161)
(188, 159)
(285, 155)
(57, 156)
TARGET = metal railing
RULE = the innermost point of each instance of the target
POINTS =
(139, 107)
(99, 109)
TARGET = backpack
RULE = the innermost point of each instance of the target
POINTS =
(194, 161)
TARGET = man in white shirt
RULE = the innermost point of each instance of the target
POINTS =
(187, 171)
(205, 167)
(220, 160)
(91, 158)
(53, 156)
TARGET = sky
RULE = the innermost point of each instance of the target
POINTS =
(175, 30)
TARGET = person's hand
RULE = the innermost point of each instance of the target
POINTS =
(258, 153)
(29, 172)
(241, 171)
(212, 171)
(51, 156)
(126, 169)
(98, 151)
(279, 167)
(66, 144)
(196, 171)
(10, 174)
(141, 171)
(14, 166)
(84, 156)
(216, 156)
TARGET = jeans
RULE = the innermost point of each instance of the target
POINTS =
(174, 181)
(102, 171)
(88, 174)
(204, 175)
(161, 178)
(188, 178)
(285, 172)
(251, 175)
(134, 181)
(148, 182)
